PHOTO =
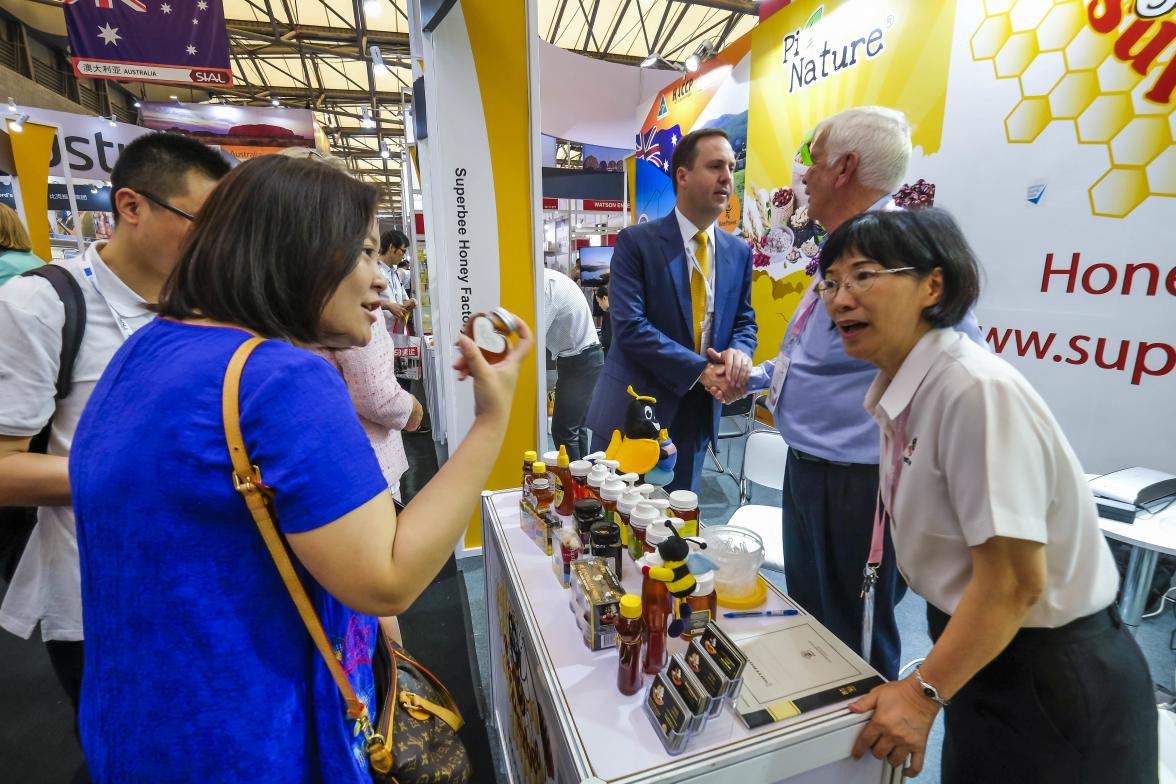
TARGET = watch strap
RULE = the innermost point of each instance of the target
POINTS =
(929, 690)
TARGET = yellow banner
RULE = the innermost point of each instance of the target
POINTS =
(31, 150)
(811, 60)
(499, 43)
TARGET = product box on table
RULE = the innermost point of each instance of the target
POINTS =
(690, 690)
(596, 600)
(669, 714)
(727, 655)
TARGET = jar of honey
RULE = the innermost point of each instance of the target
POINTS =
(491, 332)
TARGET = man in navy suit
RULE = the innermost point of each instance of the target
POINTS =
(680, 299)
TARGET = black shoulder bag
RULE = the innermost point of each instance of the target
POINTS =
(17, 522)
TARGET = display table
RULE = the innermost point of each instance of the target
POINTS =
(1148, 536)
(560, 718)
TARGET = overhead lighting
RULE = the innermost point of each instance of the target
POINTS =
(372, 8)
(113, 123)
(275, 102)
(650, 61)
(138, 105)
(385, 153)
(93, 189)
(174, 98)
(368, 122)
(17, 125)
(378, 58)
(704, 51)
(11, 105)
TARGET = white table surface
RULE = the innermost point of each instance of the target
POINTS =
(1154, 532)
(606, 721)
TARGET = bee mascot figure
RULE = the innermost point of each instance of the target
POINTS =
(642, 446)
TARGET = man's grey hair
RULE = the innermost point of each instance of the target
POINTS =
(881, 137)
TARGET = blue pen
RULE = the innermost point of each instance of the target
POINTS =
(760, 613)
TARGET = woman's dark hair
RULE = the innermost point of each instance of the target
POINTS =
(270, 246)
(923, 239)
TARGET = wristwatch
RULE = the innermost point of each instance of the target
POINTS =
(930, 691)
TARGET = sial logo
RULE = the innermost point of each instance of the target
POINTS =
(819, 50)
(1143, 41)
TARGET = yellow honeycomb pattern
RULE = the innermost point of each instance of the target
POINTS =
(1068, 73)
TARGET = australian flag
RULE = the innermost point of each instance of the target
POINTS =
(178, 41)
(657, 146)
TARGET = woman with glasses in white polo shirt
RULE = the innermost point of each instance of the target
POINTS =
(993, 524)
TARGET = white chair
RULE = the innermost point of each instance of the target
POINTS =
(764, 458)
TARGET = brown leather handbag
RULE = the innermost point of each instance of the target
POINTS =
(414, 738)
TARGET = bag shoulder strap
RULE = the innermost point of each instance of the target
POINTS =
(70, 293)
(247, 480)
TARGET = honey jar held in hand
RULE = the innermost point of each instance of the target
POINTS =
(491, 332)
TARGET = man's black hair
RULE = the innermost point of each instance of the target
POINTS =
(392, 238)
(158, 163)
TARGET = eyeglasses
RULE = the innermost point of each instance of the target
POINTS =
(185, 215)
(859, 283)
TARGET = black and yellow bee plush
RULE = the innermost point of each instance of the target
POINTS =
(679, 565)
(637, 447)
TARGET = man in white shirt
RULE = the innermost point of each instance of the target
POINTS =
(571, 339)
(395, 299)
(158, 184)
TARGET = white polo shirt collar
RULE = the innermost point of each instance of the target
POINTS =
(887, 398)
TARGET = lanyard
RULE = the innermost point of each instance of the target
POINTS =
(119, 319)
(885, 500)
(804, 311)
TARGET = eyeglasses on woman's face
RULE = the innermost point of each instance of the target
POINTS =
(857, 282)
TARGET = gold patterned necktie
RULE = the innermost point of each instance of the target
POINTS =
(698, 276)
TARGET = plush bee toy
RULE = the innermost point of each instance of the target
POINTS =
(677, 572)
(636, 445)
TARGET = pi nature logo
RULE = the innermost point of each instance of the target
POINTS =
(1105, 68)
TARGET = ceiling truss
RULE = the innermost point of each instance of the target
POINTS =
(317, 54)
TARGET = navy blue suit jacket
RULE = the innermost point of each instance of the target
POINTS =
(653, 340)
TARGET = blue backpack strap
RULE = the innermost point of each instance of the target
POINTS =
(70, 293)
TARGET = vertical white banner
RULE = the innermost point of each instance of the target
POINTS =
(481, 175)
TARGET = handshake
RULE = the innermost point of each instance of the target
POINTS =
(726, 377)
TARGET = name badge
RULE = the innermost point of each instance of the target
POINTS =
(778, 375)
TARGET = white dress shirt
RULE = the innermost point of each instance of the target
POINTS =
(567, 317)
(689, 231)
(983, 456)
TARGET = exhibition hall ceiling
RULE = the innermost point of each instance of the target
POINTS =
(319, 54)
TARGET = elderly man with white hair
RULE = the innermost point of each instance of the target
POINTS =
(816, 391)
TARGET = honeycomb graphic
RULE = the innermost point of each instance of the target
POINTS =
(1067, 73)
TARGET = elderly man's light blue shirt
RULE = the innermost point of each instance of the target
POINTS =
(820, 409)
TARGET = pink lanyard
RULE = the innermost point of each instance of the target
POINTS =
(804, 311)
(874, 561)
(886, 500)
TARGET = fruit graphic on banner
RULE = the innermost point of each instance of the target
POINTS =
(1104, 69)
(811, 60)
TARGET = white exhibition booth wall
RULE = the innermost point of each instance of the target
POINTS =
(1047, 136)
(1045, 127)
